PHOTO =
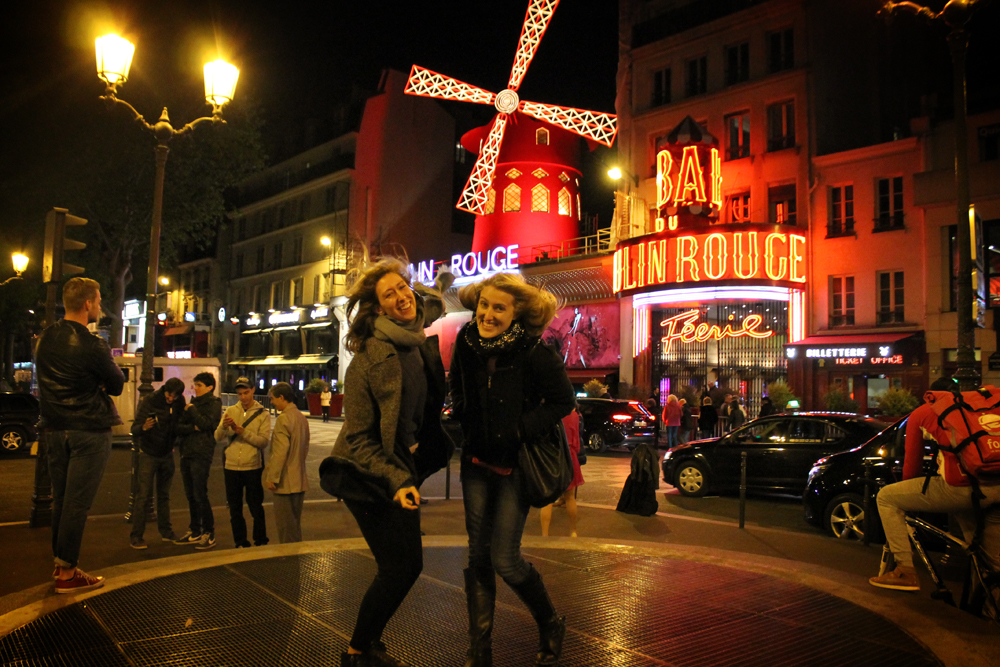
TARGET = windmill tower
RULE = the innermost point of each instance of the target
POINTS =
(498, 220)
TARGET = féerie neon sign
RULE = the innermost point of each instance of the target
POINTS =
(682, 327)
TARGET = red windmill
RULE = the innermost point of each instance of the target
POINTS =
(599, 127)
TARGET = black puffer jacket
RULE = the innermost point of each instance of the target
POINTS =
(76, 379)
(159, 440)
(205, 413)
(521, 396)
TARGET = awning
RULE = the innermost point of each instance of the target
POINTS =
(253, 331)
(581, 375)
(851, 339)
(303, 360)
(177, 331)
(316, 325)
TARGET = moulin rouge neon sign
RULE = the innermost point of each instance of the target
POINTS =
(682, 327)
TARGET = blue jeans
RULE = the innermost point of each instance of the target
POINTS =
(160, 469)
(672, 436)
(76, 465)
(495, 513)
(194, 473)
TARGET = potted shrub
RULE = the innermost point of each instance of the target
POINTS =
(313, 390)
(780, 394)
(897, 402)
(837, 400)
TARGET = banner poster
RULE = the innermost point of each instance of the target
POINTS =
(586, 336)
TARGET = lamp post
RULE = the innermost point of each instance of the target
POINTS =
(114, 57)
(956, 15)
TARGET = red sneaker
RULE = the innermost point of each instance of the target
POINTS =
(80, 582)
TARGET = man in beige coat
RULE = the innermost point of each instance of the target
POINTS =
(285, 472)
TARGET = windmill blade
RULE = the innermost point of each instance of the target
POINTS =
(536, 20)
(601, 127)
(477, 189)
(425, 83)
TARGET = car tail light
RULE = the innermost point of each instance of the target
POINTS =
(622, 418)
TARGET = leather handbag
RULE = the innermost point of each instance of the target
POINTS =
(341, 479)
(546, 468)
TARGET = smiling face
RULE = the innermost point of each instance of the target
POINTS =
(395, 298)
(494, 312)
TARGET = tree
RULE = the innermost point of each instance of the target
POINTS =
(18, 297)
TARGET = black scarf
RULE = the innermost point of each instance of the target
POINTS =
(513, 338)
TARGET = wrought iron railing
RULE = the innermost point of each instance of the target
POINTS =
(570, 248)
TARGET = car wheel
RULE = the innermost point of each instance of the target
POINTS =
(845, 516)
(691, 479)
(12, 439)
(596, 444)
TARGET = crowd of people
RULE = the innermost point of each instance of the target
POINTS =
(683, 422)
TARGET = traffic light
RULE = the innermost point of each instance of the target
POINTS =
(56, 243)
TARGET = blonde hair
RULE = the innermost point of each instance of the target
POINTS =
(671, 399)
(534, 307)
(361, 297)
(77, 291)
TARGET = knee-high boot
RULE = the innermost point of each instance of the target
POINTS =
(480, 595)
(551, 626)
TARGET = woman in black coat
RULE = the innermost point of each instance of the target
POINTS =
(708, 419)
(508, 388)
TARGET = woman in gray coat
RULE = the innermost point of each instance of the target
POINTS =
(391, 439)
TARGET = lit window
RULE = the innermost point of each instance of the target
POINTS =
(511, 198)
(542, 137)
(781, 204)
(889, 208)
(738, 135)
(539, 173)
(890, 297)
(540, 198)
(563, 177)
(841, 301)
(491, 202)
(579, 211)
(564, 202)
(841, 211)
(739, 207)
(512, 174)
(780, 126)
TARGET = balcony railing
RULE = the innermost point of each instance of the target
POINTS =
(888, 221)
(568, 249)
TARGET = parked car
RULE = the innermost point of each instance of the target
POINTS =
(608, 422)
(780, 449)
(18, 421)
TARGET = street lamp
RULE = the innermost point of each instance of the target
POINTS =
(20, 263)
(114, 58)
(956, 15)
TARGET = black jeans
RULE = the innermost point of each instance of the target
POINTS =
(236, 482)
(325, 409)
(393, 535)
(495, 513)
(194, 472)
(160, 469)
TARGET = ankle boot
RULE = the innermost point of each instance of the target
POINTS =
(551, 626)
(480, 596)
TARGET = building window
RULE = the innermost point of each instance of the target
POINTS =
(780, 51)
(781, 204)
(564, 202)
(511, 199)
(278, 295)
(260, 260)
(889, 204)
(238, 265)
(780, 126)
(513, 173)
(737, 63)
(297, 285)
(491, 202)
(890, 297)
(297, 251)
(540, 198)
(276, 256)
(989, 142)
(563, 177)
(738, 135)
(841, 211)
(542, 137)
(317, 297)
(661, 87)
(841, 301)
(696, 76)
(739, 207)
(579, 211)
(539, 173)
(267, 220)
(304, 208)
(241, 228)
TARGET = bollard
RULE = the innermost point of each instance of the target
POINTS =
(866, 502)
(41, 498)
(447, 481)
(743, 488)
(134, 476)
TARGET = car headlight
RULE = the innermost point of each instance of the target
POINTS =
(816, 470)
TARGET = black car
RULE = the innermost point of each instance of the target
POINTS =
(780, 451)
(607, 422)
(18, 420)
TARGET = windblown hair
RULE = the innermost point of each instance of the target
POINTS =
(77, 291)
(362, 301)
(534, 307)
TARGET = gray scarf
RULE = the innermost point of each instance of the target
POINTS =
(403, 335)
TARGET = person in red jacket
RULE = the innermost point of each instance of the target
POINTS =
(948, 492)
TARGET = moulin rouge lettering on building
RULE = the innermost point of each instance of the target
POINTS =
(682, 327)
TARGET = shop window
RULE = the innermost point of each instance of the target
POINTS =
(539, 173)
(737, 63)
(841, 301)
(542, 137)
(696, 76)
(889, 204)
(491, 202)
(841, 211)
(780, 50)
(991, 237)
(989, 142)
(564, 202)
(738, 207)
(511, 199)
(276, 255)
(540, 198)
(781, 204)
(661, 87)
(890, 297)
(513, 173)
(780, 126)
(738, 135)
(297, 251)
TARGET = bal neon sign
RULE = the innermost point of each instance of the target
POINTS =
(757, 254)
(682, 327)
(686, 186)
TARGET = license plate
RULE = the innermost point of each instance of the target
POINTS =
(640, 424)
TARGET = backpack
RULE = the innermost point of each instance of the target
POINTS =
(973, 420)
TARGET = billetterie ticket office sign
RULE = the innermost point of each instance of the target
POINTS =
(746, 254)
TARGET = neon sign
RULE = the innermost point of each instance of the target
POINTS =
(285, 318)
(895, 359)
(471, 264)
(765, 254)
(682, 327)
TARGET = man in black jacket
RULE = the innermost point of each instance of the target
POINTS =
(197, 430)
(155, 428)
(76, 378)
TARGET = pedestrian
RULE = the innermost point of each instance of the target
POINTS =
(687, 423)
(246, 430)
(724, 410)
(154, 430)
(708, 419)
(324, 402)
(391, 439)
(571, 425)
(737, 415)
(766, 407)
(76, 379)
(672, 413)
(508, 389)
(197, 448)
(285, 473)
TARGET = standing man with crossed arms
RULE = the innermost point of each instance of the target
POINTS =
(285, 472)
